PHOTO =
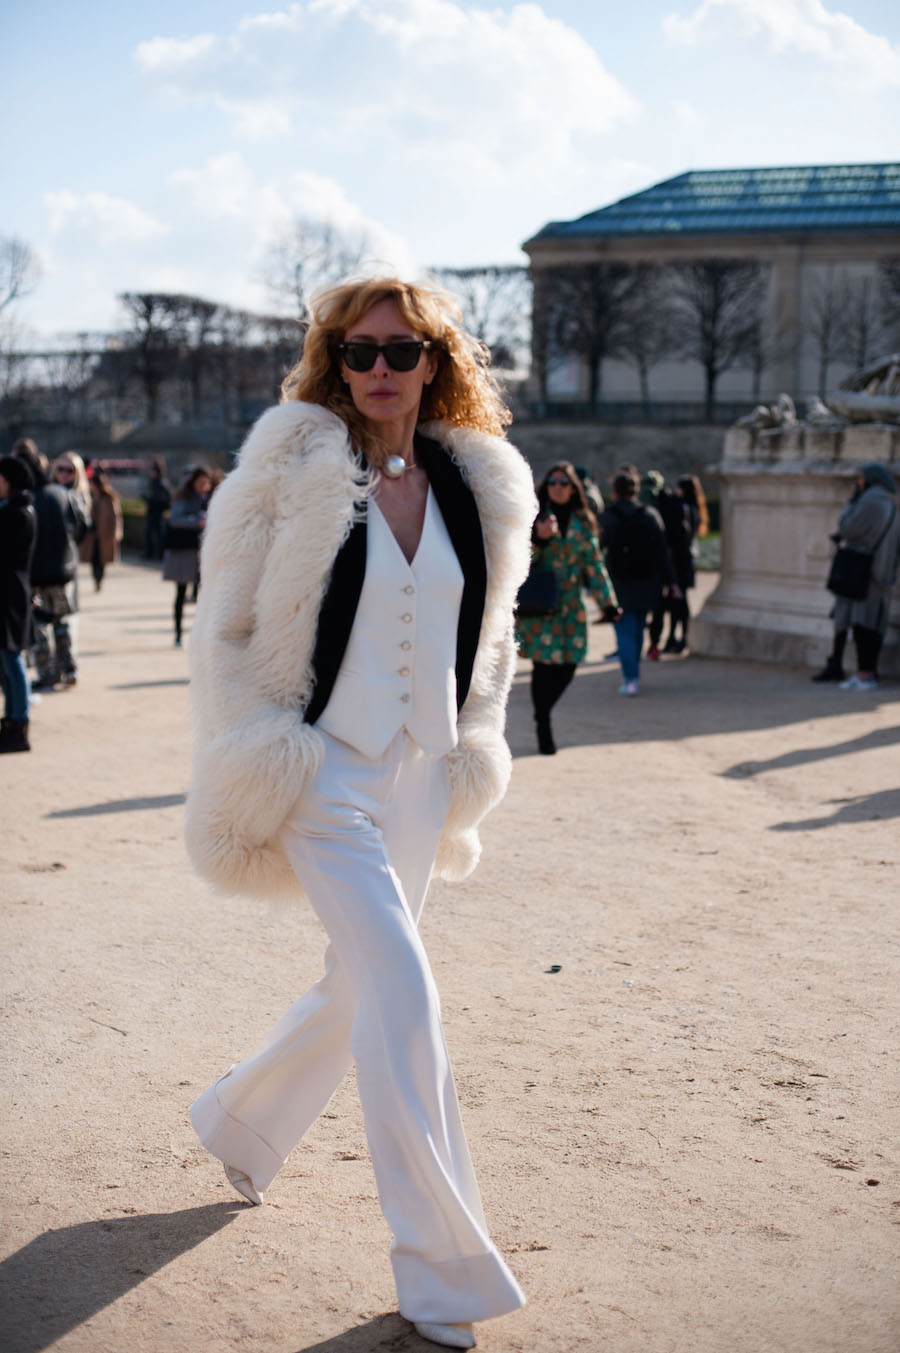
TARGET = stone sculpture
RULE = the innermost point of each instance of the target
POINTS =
(819, 414)
(781, 414)
(872, 394)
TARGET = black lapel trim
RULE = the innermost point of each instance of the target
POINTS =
(460, 513)
(336, 617)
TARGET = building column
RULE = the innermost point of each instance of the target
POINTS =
(785, 329)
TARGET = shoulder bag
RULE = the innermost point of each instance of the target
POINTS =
(178, 537)
(851, 570)
(539, 593)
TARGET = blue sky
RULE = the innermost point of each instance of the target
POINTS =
(163, 147)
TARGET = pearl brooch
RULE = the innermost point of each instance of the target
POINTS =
(395, 466)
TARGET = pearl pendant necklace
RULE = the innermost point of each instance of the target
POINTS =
(395, 466)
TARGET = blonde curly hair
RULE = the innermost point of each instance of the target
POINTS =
(464, 390)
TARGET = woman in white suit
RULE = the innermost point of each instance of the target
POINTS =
(351, 659)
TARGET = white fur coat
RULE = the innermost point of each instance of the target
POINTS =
(274, 530)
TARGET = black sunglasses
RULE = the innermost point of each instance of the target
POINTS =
(401, 355)
(560, 483)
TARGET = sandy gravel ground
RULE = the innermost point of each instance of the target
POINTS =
(686, 1137)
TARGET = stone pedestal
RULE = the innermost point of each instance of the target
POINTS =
(781, 492)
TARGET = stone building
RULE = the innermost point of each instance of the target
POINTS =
(823, 243)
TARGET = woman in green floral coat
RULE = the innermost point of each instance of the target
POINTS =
(564, 541)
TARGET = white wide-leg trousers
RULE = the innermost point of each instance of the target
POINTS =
(362, 839)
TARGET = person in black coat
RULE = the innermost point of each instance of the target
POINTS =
(18, 534)
(673, 512)
(639, 565)
(158, 497)
(62, 523)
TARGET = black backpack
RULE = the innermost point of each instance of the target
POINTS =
(633, 549)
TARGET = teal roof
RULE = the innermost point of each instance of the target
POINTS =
(731, 201)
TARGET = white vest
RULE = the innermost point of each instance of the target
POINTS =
(399, 667)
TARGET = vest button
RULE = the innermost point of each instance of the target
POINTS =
(405, 699)
(407, 619)
(404, 671)
(406, 644)
(409, 591)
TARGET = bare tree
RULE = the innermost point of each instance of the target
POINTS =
(13, 361)
(646, 330)
(308, 255)
(157, 324)
(718, 308)
(495, 301)
(67, 372)
(861, 330)
(282, 344)
(845, 320)
(889, 297)
(235, 330)
(20, 270)
(180, 354)
(824, 324)
(199, 355)
(115, 379)
(766, 345)
(587, 308)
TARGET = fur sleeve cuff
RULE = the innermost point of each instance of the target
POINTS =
(243, 790)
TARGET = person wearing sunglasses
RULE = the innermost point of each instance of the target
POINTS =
(351, 658)
(565, 544)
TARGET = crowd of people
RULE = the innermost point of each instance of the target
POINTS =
(55, 515)
(634, 556)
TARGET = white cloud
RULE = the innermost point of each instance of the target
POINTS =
(290, 20)
(226, 187)
(686, 115)
(799, 28)
(111, 219)
(506, 89)
(223, 187)
(258, 119)
(174, 54)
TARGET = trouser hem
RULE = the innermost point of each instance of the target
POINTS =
(454, 1291)
(231, 1142)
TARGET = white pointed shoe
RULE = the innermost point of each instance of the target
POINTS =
(451, 1336)
(244, 1185)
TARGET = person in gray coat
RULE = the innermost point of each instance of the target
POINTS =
(870, 523)
(181, 557)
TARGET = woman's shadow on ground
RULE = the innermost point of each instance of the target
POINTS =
(62, 1278)
(696, 697)
(385, 1334)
